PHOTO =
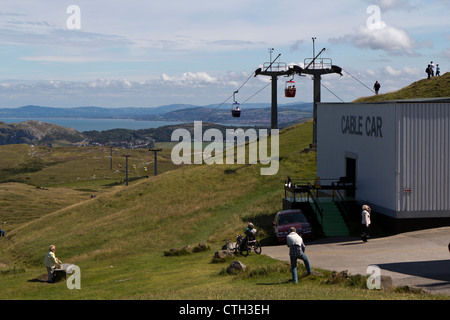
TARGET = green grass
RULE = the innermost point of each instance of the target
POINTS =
(425, 88)
(118, 239)
(77, 166)
(152, 276)
(37, 180)
(21, 203)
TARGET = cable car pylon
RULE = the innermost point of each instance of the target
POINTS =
(274, 75)
(317, 70)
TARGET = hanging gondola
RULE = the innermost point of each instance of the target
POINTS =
(290, 90)
(235, 108)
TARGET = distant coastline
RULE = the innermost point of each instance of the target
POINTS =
(84, 119)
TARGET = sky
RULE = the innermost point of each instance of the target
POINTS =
(152, 53)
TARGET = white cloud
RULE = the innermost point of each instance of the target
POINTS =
(189, 79)
(392, 72)
(186, 87)
(404, 73)
(388, 38)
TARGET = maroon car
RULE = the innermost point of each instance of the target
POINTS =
(286, 219)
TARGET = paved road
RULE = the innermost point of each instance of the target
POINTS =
(419, 258)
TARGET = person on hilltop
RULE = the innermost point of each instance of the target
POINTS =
(51, 262)
(428, 71)
(438, 71)
(376, 87)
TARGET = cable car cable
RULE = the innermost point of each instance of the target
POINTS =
(332, 93)
(221, 116)
(216, 108)
(245, 82)
(257, 92)
(359, 81)
(227, 98)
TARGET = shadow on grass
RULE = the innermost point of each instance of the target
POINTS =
(274, 283)
(44, 278)
(263, 223)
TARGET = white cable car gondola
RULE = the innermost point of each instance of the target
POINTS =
(235, 108)
(290, 90)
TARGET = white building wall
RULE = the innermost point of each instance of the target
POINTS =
(365, 132)
(402, 153)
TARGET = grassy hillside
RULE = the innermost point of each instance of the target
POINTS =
(118, 239)
(432, 88)
(189, 196)
(36, 180)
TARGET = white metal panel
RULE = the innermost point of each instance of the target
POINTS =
(424, 159)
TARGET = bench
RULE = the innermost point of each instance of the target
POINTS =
(61, 272)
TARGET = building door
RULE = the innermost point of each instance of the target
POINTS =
(350, 174)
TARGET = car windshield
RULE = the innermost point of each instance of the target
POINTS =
(291, 218)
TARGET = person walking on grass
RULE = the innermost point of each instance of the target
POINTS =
(297, 251)
(51, 262)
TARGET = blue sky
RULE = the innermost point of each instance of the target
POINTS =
(151, 53)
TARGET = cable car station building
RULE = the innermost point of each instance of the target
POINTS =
(397, 154)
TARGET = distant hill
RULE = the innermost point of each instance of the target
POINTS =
(35, 112)
(249, 115)
(37, 132)
(40, 133)
(436, 87)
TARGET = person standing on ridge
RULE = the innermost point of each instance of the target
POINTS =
(376, 87)
(428, 71)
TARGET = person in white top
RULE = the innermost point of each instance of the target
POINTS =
(297, 251)
(51, 262)
(365, 221)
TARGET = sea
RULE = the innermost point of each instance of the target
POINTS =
(82, 125)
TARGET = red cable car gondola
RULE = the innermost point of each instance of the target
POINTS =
(290, 90)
